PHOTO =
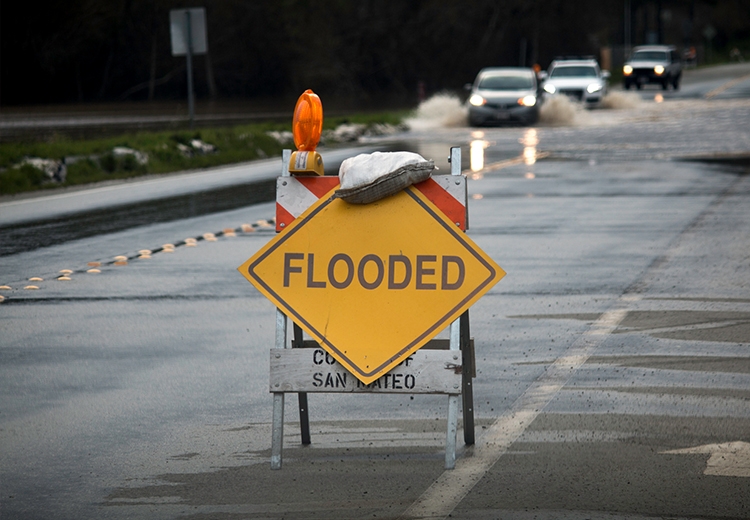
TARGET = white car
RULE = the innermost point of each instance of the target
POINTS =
(578, 78)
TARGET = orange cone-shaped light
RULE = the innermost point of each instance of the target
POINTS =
(308, 121)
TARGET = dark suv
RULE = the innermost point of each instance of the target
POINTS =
(658, 64)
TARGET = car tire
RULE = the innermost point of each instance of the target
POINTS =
(676, 83)
(665, 84)
(627, 85)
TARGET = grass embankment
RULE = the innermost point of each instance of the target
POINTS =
(60, 162)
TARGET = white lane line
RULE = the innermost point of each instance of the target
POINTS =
(442, 497)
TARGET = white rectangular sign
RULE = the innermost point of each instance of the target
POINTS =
(179, 33)
(314, 370)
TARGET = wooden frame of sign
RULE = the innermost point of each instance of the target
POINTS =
(440, 367)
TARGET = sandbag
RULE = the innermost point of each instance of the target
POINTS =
(367, 178)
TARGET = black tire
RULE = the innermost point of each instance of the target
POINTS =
(627, 85)
(676, 83)
(665, 84)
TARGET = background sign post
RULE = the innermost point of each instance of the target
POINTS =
(187, 28)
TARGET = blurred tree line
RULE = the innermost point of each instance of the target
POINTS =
(364, 51)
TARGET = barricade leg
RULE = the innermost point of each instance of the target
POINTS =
(277, 426)
(277, 433)
(450, 435)
(304, 416)
(467, 376)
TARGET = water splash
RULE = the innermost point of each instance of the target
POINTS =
(561, 111)
(620, 100)
(439, 111)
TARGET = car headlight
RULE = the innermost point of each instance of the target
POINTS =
(527, 101)
(659, 69)
(594, 87)
(477, 100)
(627, 70)
(549, 88)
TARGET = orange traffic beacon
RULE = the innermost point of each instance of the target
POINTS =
(307, 126)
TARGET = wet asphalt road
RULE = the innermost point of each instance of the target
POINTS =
(613, 370)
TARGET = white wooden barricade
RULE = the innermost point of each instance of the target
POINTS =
(298, 370)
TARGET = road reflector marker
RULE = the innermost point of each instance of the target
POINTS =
(247, 228)
(5, 288)
(66, 271)
(31, 287)
(36, 279)
(121, 262)
(93, 271)
(64, 278)
(121, 258)
(94, 264)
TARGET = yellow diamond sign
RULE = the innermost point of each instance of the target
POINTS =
(372, 283)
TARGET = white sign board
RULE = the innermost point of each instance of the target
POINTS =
(315, 370)
(178, 29)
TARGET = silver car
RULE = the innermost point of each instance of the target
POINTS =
(502, 95)
(578, 78)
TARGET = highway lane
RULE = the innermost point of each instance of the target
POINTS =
(613, 369)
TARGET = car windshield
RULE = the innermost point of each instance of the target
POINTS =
(577, 71)
(649, 56)
(524, 82)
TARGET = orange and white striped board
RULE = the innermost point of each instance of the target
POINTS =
(295, 194)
